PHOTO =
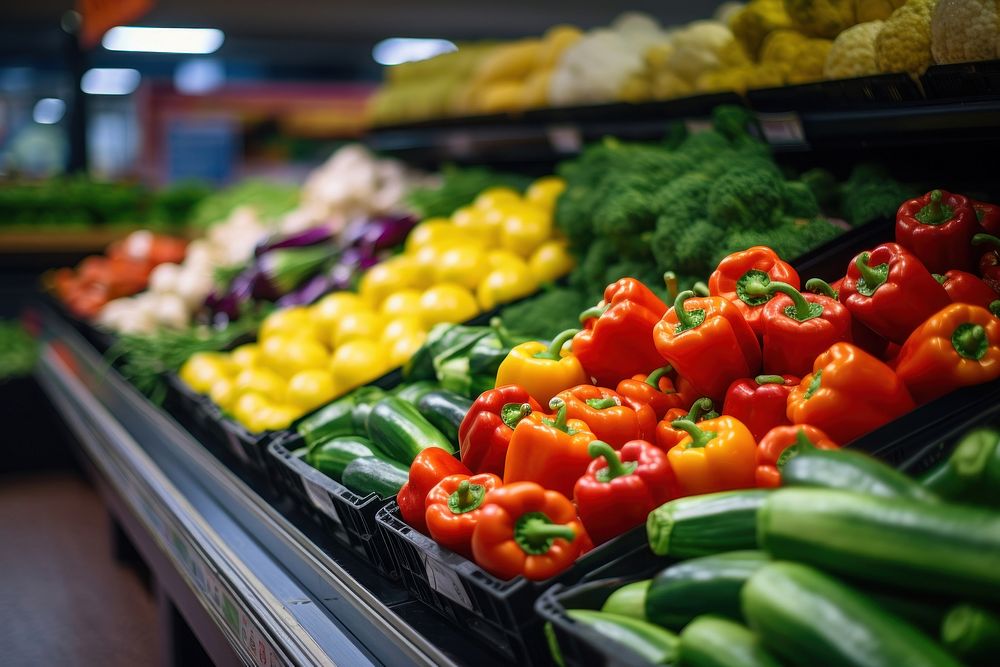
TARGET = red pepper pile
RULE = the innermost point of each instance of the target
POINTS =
(551, 466)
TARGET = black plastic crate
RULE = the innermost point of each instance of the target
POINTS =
(345, 516)
(578, 646)
(500, 613)
(963, 80)
(840, 94)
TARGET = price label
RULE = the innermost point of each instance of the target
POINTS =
(782, 129)
(321, 500)
(565, 138)
(444, 580)
(697, 125)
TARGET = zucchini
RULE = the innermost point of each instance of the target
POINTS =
(707, 585)
(629, 600)
(652, 642)
(412, 392)
(706, 524)
(806, 617)
(399, 430)
(923, 612)
(363, 407)
(331, 457)
(851, 471)
(445, 410)
(972, 472)
(908, 544)
(331, 421)
(709, 641)
(972, 633)
(375, 474)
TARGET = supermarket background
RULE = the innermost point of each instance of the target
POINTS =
(262, 266)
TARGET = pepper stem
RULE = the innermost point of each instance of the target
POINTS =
(935, 212)
(593, 311)
(769, 379)
(995, 308)
(820, 286)
(534, 532)
(555, 347)
(687, 320)
(653, 379)
(801, 444)
(938, 277)
(970, 341)
(466, 497)
(513, 413)
(986, 239)
(700, 289)
(802, 309)
(501, 332)
(616, 468)
(699, 438)
(670, 280)
(601, 403)
(699, 408)
(873, 277)
(559, 422)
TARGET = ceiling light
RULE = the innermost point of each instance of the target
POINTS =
(163, 40)
(397, 50)
(48, 111)
(109, 81)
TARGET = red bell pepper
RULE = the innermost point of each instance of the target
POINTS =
(655, 390)
(617, 339)
(938, 228)
(760, 402)
(989, 261)
(891, 292)
(964, 287)
(740, 269)
(453, 509)
(667, 436)
(798, 327)
(609, 417)
(619, 492)
(485, 433)
(708, 341)
(988, 216)
(862, 336)
(429, 467)
(773, 450)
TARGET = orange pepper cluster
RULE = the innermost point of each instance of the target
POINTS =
(555, 461)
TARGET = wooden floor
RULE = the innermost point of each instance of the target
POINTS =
(64, 600)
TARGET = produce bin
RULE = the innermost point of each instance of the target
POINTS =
(962, 80)
(498, 612)
(840, 94)
(344, 515)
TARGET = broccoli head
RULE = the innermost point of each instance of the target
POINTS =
(798, 200)
(695, 248)
(824, 187)
(870, 193)
(741, 199)
(704, 145)
(625, 205)
(734, 123)
(589, 274)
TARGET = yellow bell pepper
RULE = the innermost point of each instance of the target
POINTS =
(357, 362)
(543, 370)
(430, 231)
(525, 228)
(387, 277)
(365, 324)
(400, 303)
(447, 302)
(465, 265)
(552, 260)
(502, 285)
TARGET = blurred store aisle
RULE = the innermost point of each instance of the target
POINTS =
(64, 600)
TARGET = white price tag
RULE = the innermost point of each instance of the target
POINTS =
(321, 500)
(565, 138)
(782, 129)
(442, 579)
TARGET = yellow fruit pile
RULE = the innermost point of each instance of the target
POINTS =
(498, 249)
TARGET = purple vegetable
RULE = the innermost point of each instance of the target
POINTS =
(282, 270)
(239, 292)
(311, 290)
(388, 232)
(310, 237)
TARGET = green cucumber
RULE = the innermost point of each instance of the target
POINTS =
(363, 407)
(652, 642)
(972, 633)
(330, 421)
(412, 392)
(908, 544)
(851, 471)
(921, 611)
(445, 410)
(375, 474)
(332, 456)
(709, 641)
(399, 430)
(706, 524)
(806, 617)
(629, 600)
(972, 472)
(706, 585)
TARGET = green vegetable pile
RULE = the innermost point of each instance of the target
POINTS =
(850, 562)
(458, 188)
(270, 200)
(18, 351)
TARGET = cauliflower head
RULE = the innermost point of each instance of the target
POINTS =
(802, 57)
(853, 52)
(965, 30)
(755, 21)
(700, 47)
(904, 43)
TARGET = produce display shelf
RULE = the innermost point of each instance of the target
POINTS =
(272, 585)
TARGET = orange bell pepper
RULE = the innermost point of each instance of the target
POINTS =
(527, 530)
(708, 341)
(611, 417)
(772, 448)
(957, 347)
(848, 394)
(667, 436)
(549, 451)
(454, 507)
(716, 455)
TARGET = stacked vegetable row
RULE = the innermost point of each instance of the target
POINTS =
(600, 458)
(849, 563)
